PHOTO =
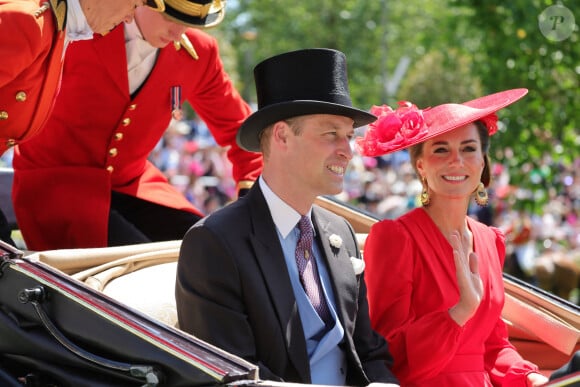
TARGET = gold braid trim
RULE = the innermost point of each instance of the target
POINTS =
(59, 9)
(187, 45)
(45, 6)
(191, 9)
(245, 184)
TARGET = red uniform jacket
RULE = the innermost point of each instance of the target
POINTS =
(31, 50)
(99, 138)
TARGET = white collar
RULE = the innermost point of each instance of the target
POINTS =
(285, 217)
(132, 31)
(77, 26)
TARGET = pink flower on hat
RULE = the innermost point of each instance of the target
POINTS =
(490, 123)
(393, 129)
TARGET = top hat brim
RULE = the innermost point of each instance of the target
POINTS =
(248, 137)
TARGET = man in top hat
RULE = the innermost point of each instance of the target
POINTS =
(271, 277)
(33, 37)
(86, 181)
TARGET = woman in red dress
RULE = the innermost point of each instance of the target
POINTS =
(434, 275)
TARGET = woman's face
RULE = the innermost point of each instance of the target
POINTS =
(157, 29)
(452, 163)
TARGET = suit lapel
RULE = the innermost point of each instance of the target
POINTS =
(111, 51)
(270, 258)
(340, 268)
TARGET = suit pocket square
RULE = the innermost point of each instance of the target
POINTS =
(358, 265)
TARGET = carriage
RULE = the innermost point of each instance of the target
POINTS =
(106, 317)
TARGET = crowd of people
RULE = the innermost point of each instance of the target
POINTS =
(541, 244)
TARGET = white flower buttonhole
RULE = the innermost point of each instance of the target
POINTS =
(335, 241)
(358, 265)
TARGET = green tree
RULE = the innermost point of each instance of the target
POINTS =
(511, 51)
(458, 50)
(374, 35)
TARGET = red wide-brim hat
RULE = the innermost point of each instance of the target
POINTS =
(406, 126)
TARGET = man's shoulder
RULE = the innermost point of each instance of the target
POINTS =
(24, 18)
(201, 39)
(202, 48)
(235, 212)
(323, 213)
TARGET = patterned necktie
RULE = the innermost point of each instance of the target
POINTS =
(308, 271)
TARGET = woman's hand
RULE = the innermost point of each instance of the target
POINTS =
(535, 379)
(468, 280)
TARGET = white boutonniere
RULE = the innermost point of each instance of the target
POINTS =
(335, 241)
(358, 265)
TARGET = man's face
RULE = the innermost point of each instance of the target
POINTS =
(319, 154)
(157, 29)
(104, 15)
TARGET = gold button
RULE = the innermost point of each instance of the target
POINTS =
(133, 106)
(3, 115)
(10, 142)
(126, 121)
(118, 136)
(110, 169)
(113, 152)
(21, 96)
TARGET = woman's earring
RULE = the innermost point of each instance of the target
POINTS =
(425, 199)
(481, 197)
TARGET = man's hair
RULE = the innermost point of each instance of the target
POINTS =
(294, 123)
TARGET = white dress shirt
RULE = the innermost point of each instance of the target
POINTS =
(140, 56)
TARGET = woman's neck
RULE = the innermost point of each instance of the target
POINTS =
(448, 217)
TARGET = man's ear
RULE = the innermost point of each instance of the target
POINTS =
(280, 132)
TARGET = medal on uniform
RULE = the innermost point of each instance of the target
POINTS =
(176, 111)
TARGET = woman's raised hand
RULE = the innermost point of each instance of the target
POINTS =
(468, 279)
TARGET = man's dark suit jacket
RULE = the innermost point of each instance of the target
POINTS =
(233, 290)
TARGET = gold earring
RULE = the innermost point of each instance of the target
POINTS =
(425, 199)
(481, 197)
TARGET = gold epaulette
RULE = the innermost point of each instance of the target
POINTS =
(59, 10)
(43, 7)
(187, 45)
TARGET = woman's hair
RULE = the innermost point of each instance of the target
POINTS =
(417, 150)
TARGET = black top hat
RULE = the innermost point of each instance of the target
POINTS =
(310, 81)
(196, 13)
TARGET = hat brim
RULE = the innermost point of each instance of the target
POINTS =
(156, 5)
(248, 137)
(437, 121)
(210, 20)
(447, 117)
